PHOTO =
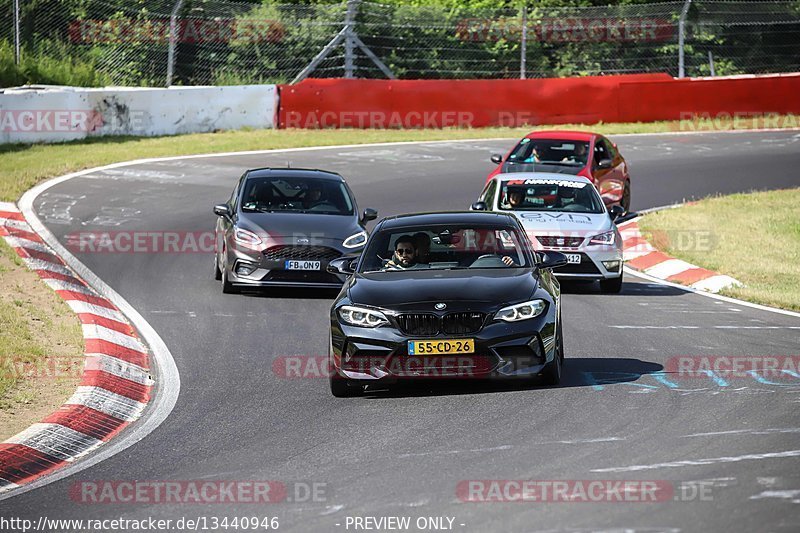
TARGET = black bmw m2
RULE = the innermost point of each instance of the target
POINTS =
(450, 295)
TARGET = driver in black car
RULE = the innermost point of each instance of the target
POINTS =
(405, 255)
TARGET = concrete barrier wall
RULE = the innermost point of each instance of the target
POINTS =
(341, 103)
(57, 114)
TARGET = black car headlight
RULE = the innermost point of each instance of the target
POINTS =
(355, 241)
(521, 311)
(362, 317)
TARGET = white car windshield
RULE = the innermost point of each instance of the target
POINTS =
(549, 195)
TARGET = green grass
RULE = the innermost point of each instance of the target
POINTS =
(23, 166)
(753, 237)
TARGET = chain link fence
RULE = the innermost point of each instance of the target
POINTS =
(205, 42)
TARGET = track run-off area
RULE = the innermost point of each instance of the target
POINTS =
(729, 448)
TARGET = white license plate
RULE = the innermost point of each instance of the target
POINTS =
(573, 259)
(303, 265)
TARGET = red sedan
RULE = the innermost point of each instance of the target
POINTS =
(577, 153)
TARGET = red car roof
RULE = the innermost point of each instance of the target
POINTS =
(562, 135)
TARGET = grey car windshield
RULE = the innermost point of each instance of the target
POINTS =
(299, 195)
(549, 195)
(446, 247)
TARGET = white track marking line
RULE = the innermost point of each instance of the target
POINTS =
(107, 402)
(56, 440)
(81, 307)
(668, 268)
(767, 431)
(119, 368)
(60, 285)
(701, 462)
(93, 331)
(716, 283)
(19, 242)
(38, 264)
(793, 495)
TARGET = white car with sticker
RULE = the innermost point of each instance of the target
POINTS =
(564, 214)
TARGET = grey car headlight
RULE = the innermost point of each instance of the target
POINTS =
(355, 241)
(247, 238)
(362, 317)
(521, 311)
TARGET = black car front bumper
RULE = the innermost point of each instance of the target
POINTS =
(502, 349)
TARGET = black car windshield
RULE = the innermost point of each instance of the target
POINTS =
(549, 195)
(446, 247)
(550, 152)
(296, 195)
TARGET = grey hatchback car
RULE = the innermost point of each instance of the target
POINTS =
(282, 226)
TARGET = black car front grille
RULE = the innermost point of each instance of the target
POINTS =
(462, 323)
(419, 323)
(451, 324)
(301, 253)
(555, 241)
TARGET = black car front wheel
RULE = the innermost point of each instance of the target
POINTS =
(344, 388)
(552, 372)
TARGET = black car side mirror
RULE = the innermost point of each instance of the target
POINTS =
(369, 214)
(342, 265)
(605, 163)
(616, 211)
(478, 206)
(552, 260)
(629, 216)
(496, 158)
(222, 210)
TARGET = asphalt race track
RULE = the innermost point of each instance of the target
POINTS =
(404, 452)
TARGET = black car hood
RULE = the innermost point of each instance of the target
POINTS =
(510, 166)
(314, 226)
(405, 290)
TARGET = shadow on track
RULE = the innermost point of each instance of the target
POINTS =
(628, 289)
(291, 293)
(578, 372)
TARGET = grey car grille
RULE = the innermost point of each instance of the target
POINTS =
(301, 253)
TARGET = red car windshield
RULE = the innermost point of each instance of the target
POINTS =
(550, 151)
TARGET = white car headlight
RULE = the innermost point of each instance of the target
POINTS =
(523, 311)
(246, 238)
(603, 239)
(359, 316)
(355, 241)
